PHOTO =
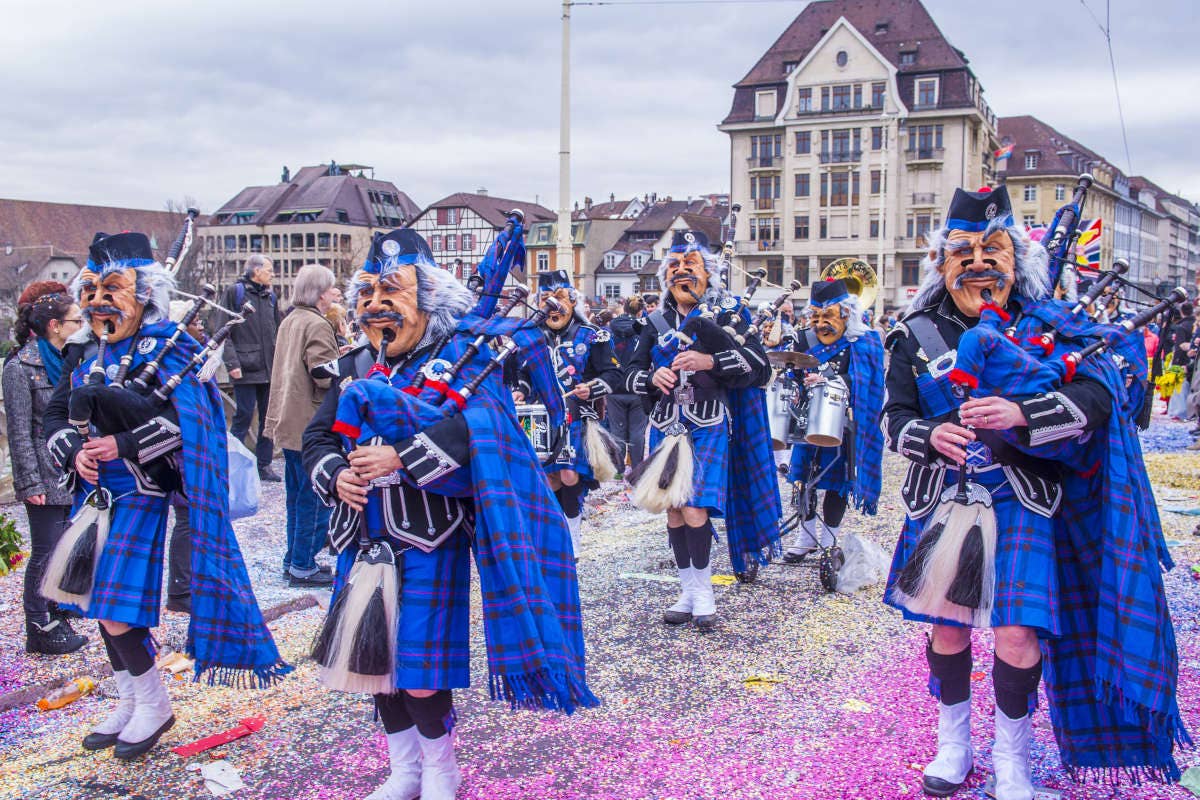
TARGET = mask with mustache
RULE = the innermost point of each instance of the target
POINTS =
(828, 323)
(686, 271)
(111, 299)
(973, 263)
(391, 304)
(558, 321)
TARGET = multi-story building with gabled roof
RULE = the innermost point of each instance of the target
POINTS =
(848, 138)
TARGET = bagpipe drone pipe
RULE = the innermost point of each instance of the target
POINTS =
(951, 573)
(355, 646)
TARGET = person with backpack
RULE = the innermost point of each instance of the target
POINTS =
(626, 415)
(249, 353)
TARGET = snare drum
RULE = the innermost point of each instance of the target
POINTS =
(827, 404)
(535, 421)
(781, 394)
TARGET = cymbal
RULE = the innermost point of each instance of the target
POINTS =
(788, 358)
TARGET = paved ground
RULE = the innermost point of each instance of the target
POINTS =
(798, 694)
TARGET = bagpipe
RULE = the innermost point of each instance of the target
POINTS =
(952, 572)
(1064, 232)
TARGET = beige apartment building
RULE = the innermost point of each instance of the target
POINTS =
(324, 214)
(848, 138)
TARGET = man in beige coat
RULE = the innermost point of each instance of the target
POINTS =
(304, 366)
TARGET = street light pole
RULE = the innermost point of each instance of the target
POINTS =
(564, 250)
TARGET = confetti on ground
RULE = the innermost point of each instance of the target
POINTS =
(797, 694)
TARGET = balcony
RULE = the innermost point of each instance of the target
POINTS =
(754, 248)
(765, 204)
(765, 162)
(925, 154)
(839, 111)
(924, 198)
(841, 157)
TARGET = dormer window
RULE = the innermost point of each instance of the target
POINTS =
(1032, 160)
(908, 58)
(881, 28)
(927, 91)
(788, 66)
(764, 103)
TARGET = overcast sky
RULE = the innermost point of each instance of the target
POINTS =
(134, 103)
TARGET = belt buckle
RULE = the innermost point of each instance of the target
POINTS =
(979, 455)
(684, 395)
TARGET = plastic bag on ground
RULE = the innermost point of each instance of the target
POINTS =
(866, 563)
(243, 480)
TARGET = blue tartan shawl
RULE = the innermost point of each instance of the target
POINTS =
(753, 507)
(226, 633)
(531, 617)
(866, 395)
(1111, 677)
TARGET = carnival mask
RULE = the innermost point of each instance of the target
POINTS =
(557, 321)
(828, 323)
(686, 271)
(391, 303)
(109, 302)
(973, 263)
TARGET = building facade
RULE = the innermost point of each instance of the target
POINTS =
(848, 138)
(324, 214)
(461, 227)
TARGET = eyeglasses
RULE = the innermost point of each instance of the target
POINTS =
(76, 320)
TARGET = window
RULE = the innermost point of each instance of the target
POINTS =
(877, 138)
(800, 268)
(451, 242)
(858, 95)
(610, 260)
(854, 186)
(788, 66)
(839, 188)
(842, 58)
(910, 272)
(925, 141)
(824, 98)
(435, 242)
(638, 260)
(764, 103)
(468, 241)
(824, 232)
(881, 28)
(841, 145)
(231, 242)
(802, 184)
(274, 241)
(543, 262)
(841, 98)
(874, 226)
(908, 58)
(801, 232)
(297, 241)
(824, 188)
(1030, 194)
(877, 95)
(803, 142)
(1060, 192)
(1028, 220)
(775, 270)
(927, 92)
(876, 181)
(1032, 160)
(448, 216)
(804, 99)
(323, 241)
(612, 291)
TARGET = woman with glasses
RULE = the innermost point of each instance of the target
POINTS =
(42, 328)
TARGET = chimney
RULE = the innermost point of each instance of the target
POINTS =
(576, 205)
(653, 198)
(481, 191)
(587, 203)
(612, 197)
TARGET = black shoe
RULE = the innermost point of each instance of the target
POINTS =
(328, 570)
(127, 751)
(55, 639)
(62, 613)
(268, 475)
(676, 617)
(937, 787)
(100, 741)
(318, 580)
(796, 558)
(705, 623)
(181, 603)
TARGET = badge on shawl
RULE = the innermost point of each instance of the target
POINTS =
(111, 371)
(146, 346)
(580, 349)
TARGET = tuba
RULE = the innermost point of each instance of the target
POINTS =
(860, 279)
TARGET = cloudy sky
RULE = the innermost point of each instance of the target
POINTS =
(134, 103)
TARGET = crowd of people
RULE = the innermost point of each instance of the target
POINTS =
(423, 425)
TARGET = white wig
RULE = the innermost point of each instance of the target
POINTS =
(1030, 259)
(439, 294)
(715, 292)
(152, 289)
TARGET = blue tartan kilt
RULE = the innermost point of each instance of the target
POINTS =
(580, 462)
(709, 481)
(836, 478)
(433, 648)
(1026, 575)
(129, 575)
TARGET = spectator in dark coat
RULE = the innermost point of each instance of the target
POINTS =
(43, 326)
(1180, 343)
(626, 414)
(249, 353)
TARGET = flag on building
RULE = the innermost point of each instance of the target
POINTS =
(1004, 153)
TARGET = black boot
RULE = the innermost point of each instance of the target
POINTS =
(55, 638)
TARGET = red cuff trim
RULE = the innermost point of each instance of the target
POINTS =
(439, 387)
(377, 369)
(346, 429)
(1045, 342)
(963, 378)
(458, 399)
(412, 391)
(1012, 337)
(997, 310)
(1071, 365)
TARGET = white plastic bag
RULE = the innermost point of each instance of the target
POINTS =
(866, 563)
(243, 480)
